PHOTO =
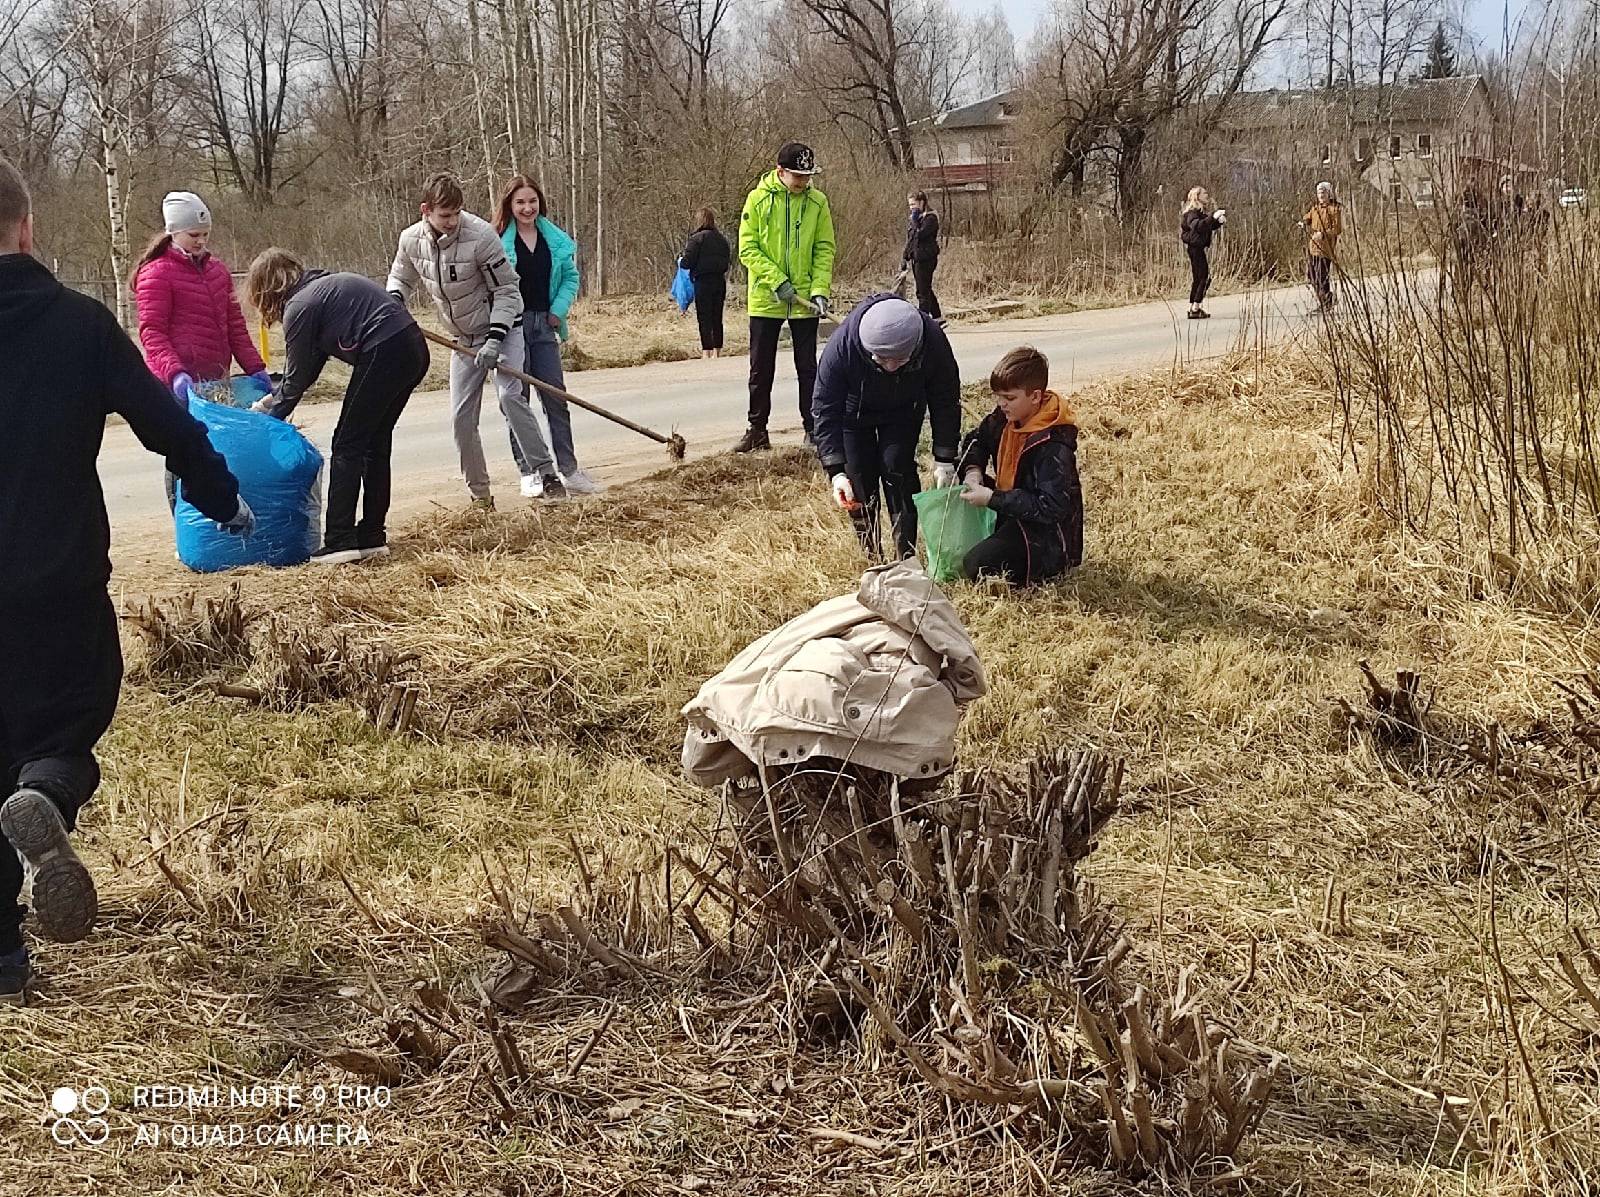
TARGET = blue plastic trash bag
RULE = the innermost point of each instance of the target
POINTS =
(950, 528)
(247, 390)
(280, 476)
(683, 287)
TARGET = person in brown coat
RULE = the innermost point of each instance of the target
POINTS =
(1324, 221)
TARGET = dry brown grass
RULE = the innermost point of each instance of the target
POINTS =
(270, 879)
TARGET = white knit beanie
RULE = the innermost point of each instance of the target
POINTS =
(891, 328)
(185, 211)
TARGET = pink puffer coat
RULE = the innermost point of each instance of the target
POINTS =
(190, 321)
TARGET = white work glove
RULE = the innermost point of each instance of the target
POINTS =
(821, 305)
(243, 522)
(944, 474)
(1222, 215)
(488, 356)
(843, 493)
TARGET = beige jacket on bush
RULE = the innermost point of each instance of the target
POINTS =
(875, 678)
(467, 275)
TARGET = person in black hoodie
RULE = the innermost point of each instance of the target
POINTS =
(886, 368)
(707, 257)
(65, 365)
(353, 319)
(1196, 227)
(922, 250)
(1031, 442)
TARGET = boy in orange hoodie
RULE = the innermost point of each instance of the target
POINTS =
(1031, 442)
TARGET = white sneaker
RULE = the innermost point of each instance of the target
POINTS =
(579, 483)
(532, 486)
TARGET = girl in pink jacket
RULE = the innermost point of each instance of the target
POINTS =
(190, 322)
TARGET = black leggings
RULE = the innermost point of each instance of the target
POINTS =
(60, 670)
(710, 295)
(380, 386)
(927, 301)
(884, 457)
(1200, 272)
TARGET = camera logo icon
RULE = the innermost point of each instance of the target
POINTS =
(77, 1116)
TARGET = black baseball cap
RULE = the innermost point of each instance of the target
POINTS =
(797, 157)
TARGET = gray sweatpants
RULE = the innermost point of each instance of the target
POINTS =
(466, 405)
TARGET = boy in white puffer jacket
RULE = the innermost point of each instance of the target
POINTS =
(457, 258)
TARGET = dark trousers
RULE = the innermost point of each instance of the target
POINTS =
(1200, 274)
(927, 301)
(1320, 273)
(883, 457)
(60, 669)
(764, 332)
(710, 295)
(1003, 555)
(380, 386)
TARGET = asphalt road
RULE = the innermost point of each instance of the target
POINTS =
(705, 401)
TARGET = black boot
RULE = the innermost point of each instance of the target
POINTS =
(754, 438)
(15, 973)
(64, 899)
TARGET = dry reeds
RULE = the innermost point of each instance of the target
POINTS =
(950, 929)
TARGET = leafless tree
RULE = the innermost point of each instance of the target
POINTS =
(247, 54)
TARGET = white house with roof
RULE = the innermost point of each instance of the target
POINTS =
(968, 149)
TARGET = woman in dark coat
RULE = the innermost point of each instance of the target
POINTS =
(1195, 229)
(707, 257)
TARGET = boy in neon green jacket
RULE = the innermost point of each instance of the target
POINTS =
(786, 245)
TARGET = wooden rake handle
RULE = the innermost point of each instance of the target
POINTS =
(673, 442)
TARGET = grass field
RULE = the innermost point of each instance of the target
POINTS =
(275, 877)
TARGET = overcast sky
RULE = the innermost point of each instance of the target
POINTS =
(1483, 17)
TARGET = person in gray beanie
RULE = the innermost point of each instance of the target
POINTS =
(887, 368)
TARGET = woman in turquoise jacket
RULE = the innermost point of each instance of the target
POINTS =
(547, 269)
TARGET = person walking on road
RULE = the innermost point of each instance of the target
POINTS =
(886, 369)
(547, 273)
(922, 251)
(1323, 222)
(786, 245)
(707, 257)
(1196, 226)
(67, 366)
(350, 317)
(458, 259)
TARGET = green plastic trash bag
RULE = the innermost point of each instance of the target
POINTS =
(949, 529)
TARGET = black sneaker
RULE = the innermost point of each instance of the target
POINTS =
(63, 892)
(753, 439)
(15, 973)
(554, 488)
(332, 556)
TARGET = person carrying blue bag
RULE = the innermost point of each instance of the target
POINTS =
(707, 258)
(353, 319)
(65, 365)
(885, 370)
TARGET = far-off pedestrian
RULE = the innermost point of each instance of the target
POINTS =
(1196, 226)
(1323, 223)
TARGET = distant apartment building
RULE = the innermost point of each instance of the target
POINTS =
(1417, 142)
